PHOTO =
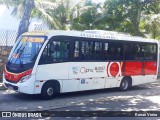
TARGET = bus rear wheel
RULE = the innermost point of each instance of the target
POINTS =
(125, 84)
(48, 91)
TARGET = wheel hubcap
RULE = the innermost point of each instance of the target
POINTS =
(50, 91)
(124, 84)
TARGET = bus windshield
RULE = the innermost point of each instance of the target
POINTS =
(25, 53)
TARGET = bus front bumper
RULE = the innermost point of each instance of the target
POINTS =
(26, 87)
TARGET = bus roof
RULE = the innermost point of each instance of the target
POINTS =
(39, 33)
(101, 34)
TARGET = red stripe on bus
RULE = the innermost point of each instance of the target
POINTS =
(15, 77)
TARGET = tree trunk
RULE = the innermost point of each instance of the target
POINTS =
(137, 19)
(154, 30)
(24, 23)
(136, 28)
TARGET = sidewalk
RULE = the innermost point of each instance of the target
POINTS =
(2, 87)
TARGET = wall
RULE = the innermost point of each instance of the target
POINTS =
(4, 52)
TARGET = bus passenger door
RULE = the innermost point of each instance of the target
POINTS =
(53, 64)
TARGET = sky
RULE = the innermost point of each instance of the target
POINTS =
(2, 8)
(7, 21)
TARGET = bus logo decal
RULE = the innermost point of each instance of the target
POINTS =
(75, 70)
(114, 69)
(85, 70)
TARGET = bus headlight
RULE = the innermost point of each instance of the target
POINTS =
(25, 78)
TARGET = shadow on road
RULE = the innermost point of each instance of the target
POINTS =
(144, 97)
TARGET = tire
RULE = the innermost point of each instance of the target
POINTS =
(125, 84)
(48, 91)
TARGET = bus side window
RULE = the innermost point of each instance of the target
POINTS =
(149, 52)
(91, 50)
(61, 52)
(98, 50)
(55, 51)
(133, 51)
(105, 50)
(128, 50)
(76, 50)
(46, 56)
(113, 51)
(137, 51)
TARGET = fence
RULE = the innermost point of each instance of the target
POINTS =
(7, 39)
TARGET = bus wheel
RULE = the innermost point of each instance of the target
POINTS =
(48, 91)
(125, 84)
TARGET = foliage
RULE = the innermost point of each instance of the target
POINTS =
(89, 18)
(62, 14)
(136, 17)
(152, 25)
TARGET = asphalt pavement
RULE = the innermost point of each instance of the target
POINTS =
(139, 98)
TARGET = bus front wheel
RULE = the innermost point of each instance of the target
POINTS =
(48, 91)
(125, 84)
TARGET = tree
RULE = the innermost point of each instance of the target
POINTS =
(150, 22)
(114, 15)
(64, 13)
(89, 17)
(24, 23)
(135, 10)
(152, 25)
(126, 15)
(58, 14)
(25, 9)
(28, 6)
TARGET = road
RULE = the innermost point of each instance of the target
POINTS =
(144, 97)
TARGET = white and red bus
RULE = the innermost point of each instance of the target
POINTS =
(53, 62)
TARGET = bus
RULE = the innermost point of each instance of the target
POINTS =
(53, 62)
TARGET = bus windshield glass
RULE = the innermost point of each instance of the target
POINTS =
(25, 53)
